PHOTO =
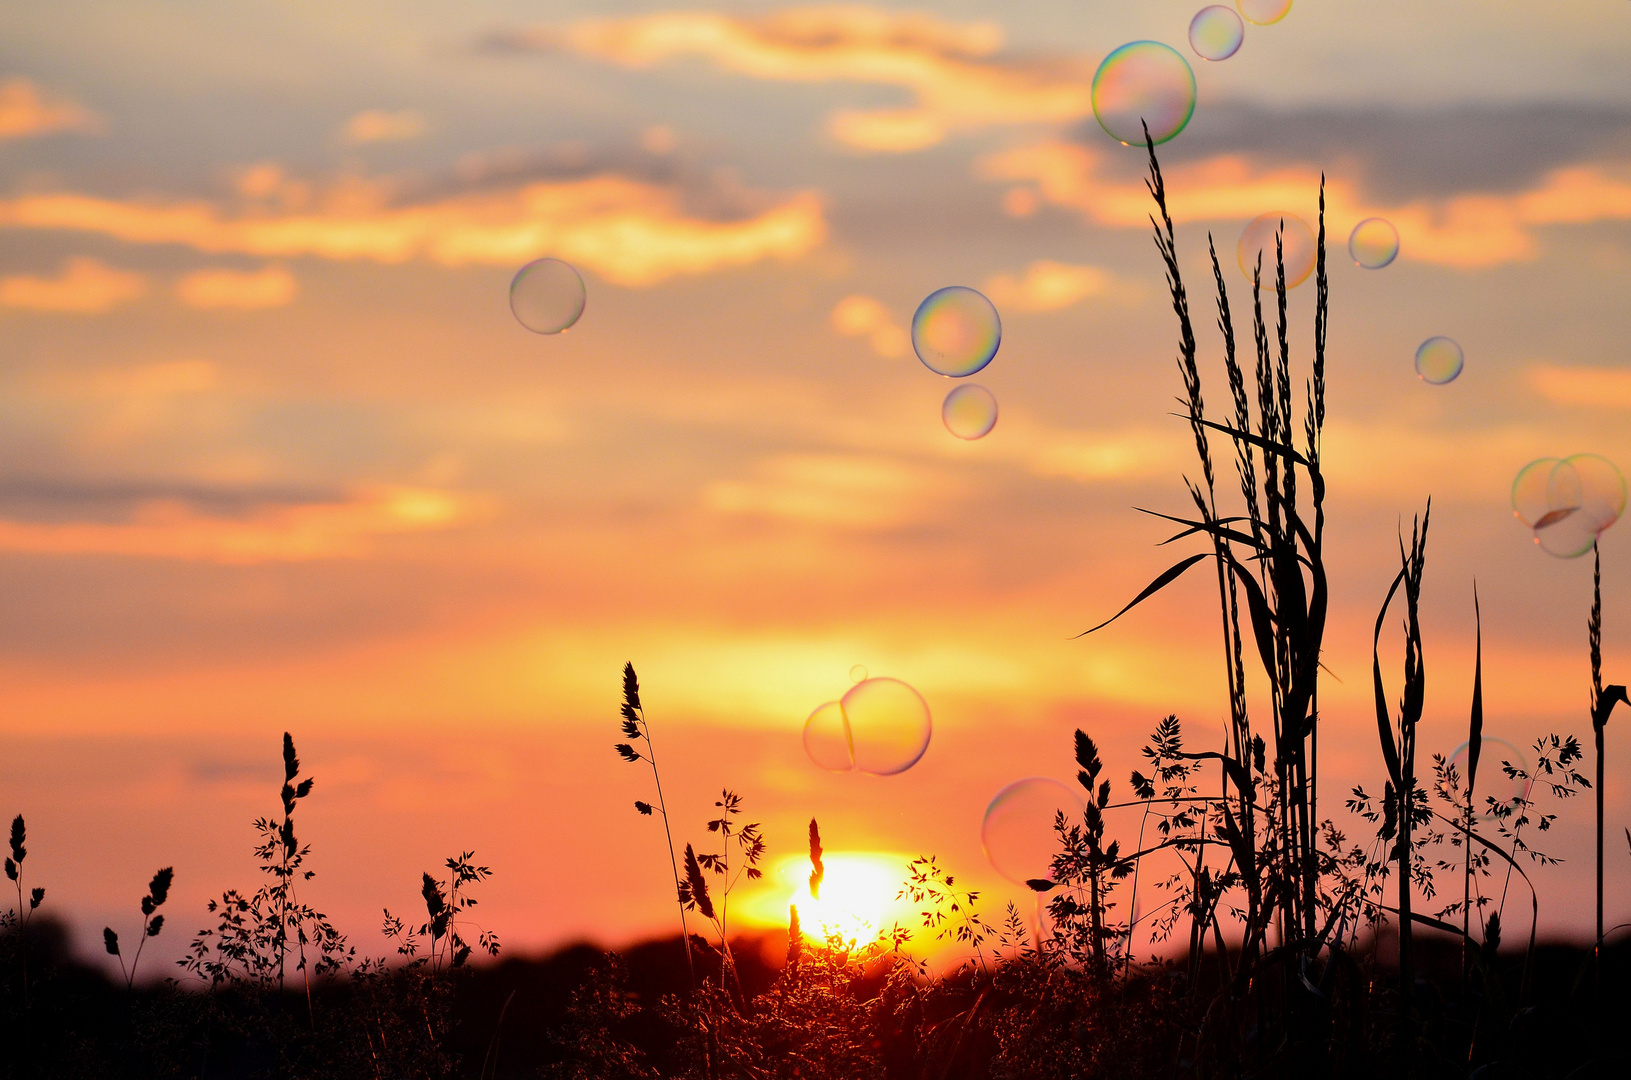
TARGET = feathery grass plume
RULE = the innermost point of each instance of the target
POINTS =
(158, 891)
(817, 870)
(36, 896)
(795, 935)
(694, 887)
(1603, 701)
(637, 730)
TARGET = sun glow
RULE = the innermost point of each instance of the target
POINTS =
(858, 902)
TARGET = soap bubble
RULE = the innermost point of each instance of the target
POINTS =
(969, 411)
(1374, 243)
(1297, 248)
(1568, 536)
(1264, 12)
(1492, 779)
(1596, 485)
(1018, 830)
(1143, 82)
(889, 725)
(547, 296)
(1439, 360)
(858, 673)
(1530, 495)
(956, 331)
(1215, 33)
(826, 738)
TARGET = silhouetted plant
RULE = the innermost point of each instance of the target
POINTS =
(18, 918)
(158, 890)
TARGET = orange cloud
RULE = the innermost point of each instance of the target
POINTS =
(86, 286)
(950, 68)
(1468, 230)
(1594, 388)
(170, 529)
(26, 112)
(629, 232)
(1052, 286)
(862, 316)
(272, 286)
(836, 490)
(375, 125)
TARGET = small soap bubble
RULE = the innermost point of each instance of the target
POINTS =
(1530, 496)
(547, 296)
(969, 411)
(1492, 779)
(1297, 248)
(956, 331)
(1264, 12)
(1018, 832)
(1439, 360)
(1374, 243)
(1144, 83)
(826, 738)
(888, 724)
(1215, 33)
(858, 673)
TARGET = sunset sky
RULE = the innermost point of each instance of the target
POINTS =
(274, 455)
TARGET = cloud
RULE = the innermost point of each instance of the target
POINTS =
(862, 316)
(957, 81)
(1468, 230)
(85, 286)
(26, 112)
(1052, 286)
(171, 528)
(843, 491)
(630, 232)
(1593, 388)
(375, 125)
(220, 287)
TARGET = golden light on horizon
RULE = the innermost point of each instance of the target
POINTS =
(859, 896)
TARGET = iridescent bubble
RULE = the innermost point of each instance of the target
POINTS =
(1531, 500)
(1264, 12)
(888, 724)
(826, 738)
(1215, 33)
(1597, 487)
(1144, 83)
(956, 331)
(547, 296)
(1257, 240)
(1492, 778)
(1439, 360)
(1374, 243)
(1568, 536)
(969, 411)
(858, 673)
(1018, 832)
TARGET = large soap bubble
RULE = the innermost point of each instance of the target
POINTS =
(956, 331)
(547, 296)
(1264, 12)
(1018, 832)
(1568, 503)
(1594, 485)
(1297, 248)
(1374, 243)
(1439, 360)
(1492, 778)
(1144, 83)
(881, 726)
(969, 411)
(1215, 33)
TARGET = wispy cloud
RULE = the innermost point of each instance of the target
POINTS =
(1468, 230)
(957, 80)
(1591, 388)
(222, 287)
(86, 286)
(844, 491)
(26, 111)
(178, 529)
(377, 125)
(630, 232)
(866, 317)
(1053, 286)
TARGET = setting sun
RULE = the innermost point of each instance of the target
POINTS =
(858, 902)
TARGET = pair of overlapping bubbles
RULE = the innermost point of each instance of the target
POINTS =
(1568, 502)
(956, 332)
(881, 726)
